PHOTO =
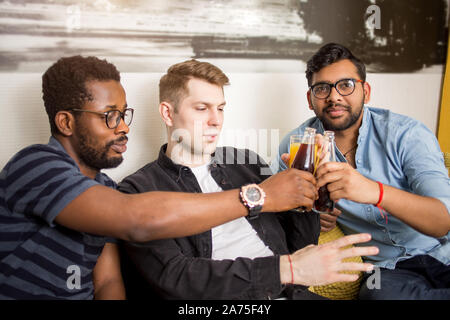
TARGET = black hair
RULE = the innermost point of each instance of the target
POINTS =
(331, 53)
(64, 83)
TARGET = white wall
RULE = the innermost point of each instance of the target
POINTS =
(257, 104)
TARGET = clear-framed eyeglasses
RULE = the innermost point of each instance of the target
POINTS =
(344, 87)
(112, 117)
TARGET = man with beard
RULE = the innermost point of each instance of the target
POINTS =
(57, 209)
(390, 180)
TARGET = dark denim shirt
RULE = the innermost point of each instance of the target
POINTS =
(182, 268)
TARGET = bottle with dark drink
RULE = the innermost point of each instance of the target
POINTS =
(324, 204)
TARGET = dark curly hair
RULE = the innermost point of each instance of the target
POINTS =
(64, 83)
(331, 53)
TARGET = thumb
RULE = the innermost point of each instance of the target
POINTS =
(285, 157)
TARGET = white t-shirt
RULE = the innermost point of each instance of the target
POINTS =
(233, 239)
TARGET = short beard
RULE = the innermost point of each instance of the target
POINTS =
(352, 119)
(95, 158)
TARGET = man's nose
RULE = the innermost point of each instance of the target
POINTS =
(214, 118)
(334, 95)
(122, 127)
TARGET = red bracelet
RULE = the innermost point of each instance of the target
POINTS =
(378, 205)
(381, 193)
(292, 270)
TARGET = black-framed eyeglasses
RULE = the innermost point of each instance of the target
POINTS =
(112, 117)
(344, 87)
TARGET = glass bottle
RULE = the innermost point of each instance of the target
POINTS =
(324, 204)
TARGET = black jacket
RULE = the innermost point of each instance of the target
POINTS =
(182, 268)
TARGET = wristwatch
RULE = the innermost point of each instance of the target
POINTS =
(252, 196)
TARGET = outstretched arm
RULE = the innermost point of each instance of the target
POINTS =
(155, 215)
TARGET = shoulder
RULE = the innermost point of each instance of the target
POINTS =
(398, 125)
(105, 180)
(387, 116)
(141, 180)
(39, 152)
(38, 159)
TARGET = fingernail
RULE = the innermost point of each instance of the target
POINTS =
(370, 268)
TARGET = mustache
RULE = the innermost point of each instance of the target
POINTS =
(332, 105)
(121, 139)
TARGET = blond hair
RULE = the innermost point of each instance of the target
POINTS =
(173, 85)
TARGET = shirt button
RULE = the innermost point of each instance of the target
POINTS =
(223, 182)
(358, 161)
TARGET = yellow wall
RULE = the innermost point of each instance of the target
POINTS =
(444, 117)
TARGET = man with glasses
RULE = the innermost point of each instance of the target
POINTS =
(390, 180)
(57, 209)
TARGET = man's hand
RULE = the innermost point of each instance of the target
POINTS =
(328, 220)
(289, 189)
(345, 182)
(285, 157)
(322, 264)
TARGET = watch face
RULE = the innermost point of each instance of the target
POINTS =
(253, 194)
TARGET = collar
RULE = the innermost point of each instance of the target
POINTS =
(176, 169)
(167, 164)
(363, 129)
(54, 143)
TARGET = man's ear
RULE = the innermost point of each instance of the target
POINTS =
(65, 122)
(308, 97)
(166, 111)
(367, 90)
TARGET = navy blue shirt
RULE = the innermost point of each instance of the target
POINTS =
(38, 258)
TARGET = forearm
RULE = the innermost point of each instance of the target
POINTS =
(425, 214)
(160, 215)
(112, 290)
(107, 277)
(286, 273)
(155, 215)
